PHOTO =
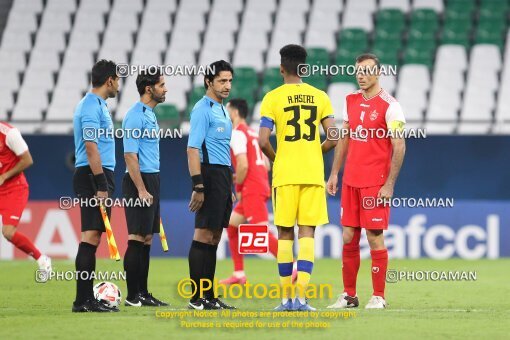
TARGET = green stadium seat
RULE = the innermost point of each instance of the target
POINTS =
(483, 36)
(417, 56)
(422, 33)
(496, 6)
(387, 34)
(458, 13)
(394, 44)
(425, 15)
(490, 15)
(387, 56)
(422, 44)
(496, 25)
(347, 56)
(195, 94)
(168, 115)
(318, 56)
(245, 74)
(458, 25)
(466, 6)
(390, 18)
(352, 34)
(317, 81)
(452, 37)
(272, 74)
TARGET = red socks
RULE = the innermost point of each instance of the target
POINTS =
(350, 263)
(233, 240)
(23, 243)
(379, 267)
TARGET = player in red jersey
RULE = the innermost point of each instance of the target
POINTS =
(374, 158)
(14, 159)
(252, 185)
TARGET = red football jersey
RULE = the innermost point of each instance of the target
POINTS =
(12, 146)
(245, 140)
(369, 152)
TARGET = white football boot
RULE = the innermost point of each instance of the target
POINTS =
(44, 263)
(376, 302)
(345, 301)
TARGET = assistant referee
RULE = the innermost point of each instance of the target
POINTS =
(209, 166)
(93, 177)
(141, 185)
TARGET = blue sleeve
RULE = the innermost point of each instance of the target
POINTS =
(199, 124)
(90, 121)
(131, 122)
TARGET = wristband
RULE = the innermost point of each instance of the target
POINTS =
(198, 189)
(197, 179)
(101, 182)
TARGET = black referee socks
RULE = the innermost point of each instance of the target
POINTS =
(132, 266)
(144, 268)
(210, 269)
(202, 265)
(85, 262)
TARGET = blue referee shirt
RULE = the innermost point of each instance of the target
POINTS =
(93, 123)
(211, 129)
(141, 136)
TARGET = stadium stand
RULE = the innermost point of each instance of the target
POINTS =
(453, 56)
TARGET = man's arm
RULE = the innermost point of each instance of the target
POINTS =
(197, 198)
(339, 159)
(328, 144)
(133, 168)
(241, 168)
(96, 166)
(25, 161)
(265, 144)
(398, 151)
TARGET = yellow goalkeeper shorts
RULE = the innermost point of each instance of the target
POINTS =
(303, 203)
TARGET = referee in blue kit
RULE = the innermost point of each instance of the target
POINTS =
(141, 185)
(209, 167)
(95, 161)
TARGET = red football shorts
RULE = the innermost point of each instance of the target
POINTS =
(12, 204)
(359, 208)
(253, 208)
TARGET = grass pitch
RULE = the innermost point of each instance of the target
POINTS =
(417, 309)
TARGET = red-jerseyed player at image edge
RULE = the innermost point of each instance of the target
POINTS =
(252, 186)
(14, 159)
(372, 165)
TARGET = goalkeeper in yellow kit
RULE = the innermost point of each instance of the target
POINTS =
(298, 191)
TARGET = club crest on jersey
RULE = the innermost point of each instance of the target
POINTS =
(373, 115)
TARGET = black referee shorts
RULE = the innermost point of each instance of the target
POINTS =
(217, 207)
(91, 218)
(141, 220)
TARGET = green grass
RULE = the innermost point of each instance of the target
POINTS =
(467, 309)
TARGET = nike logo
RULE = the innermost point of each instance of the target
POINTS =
(139, 304)
(201, 307)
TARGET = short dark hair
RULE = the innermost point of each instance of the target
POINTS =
(147, 77)
(368, 56)
(214, 70)
(241, 105)
(291, 56)
(102, 70)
